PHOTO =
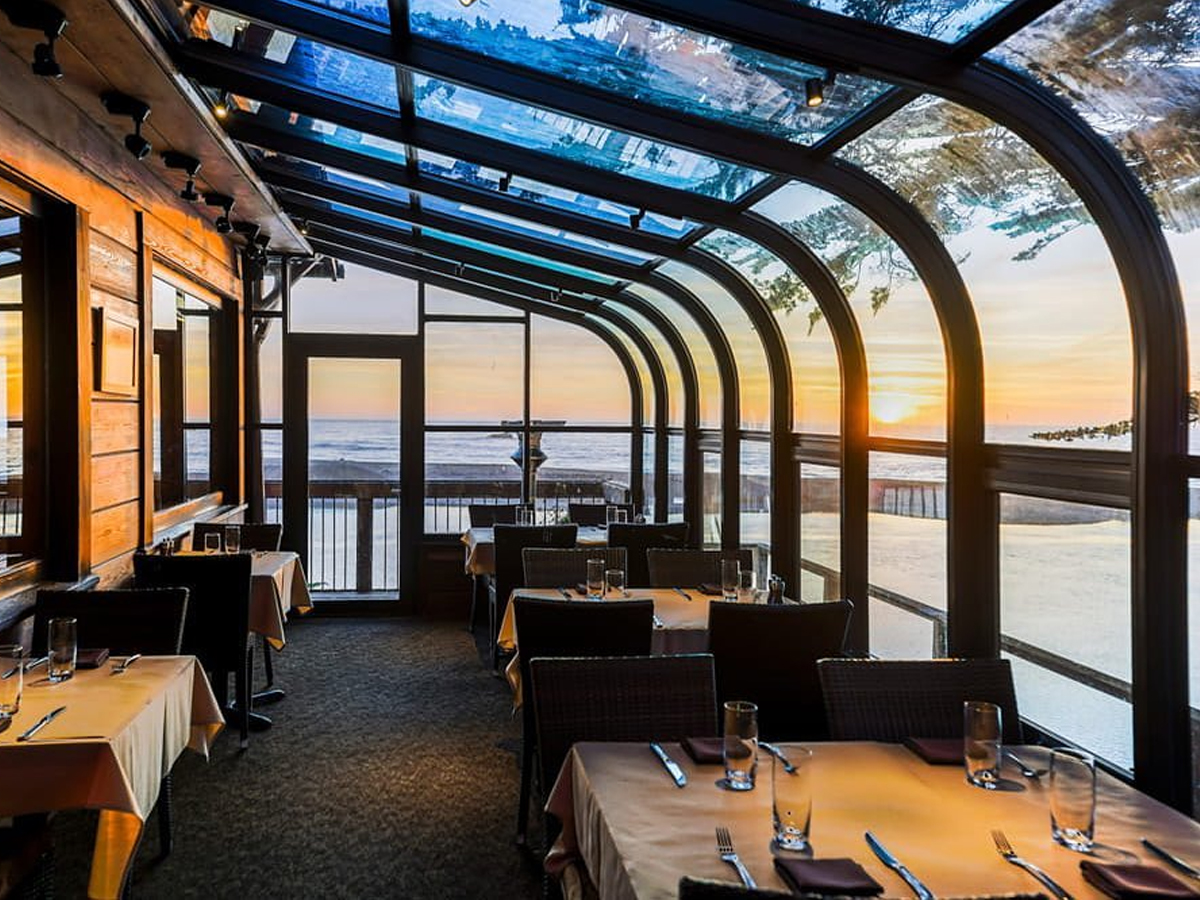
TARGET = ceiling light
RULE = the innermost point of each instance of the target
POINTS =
(226, 203)
(635, 219)
(221, 107)
(814, 91)
(43, 17)
(191, 166)
(466, 2)
(304, 227)
(249, 230)
(119, 104)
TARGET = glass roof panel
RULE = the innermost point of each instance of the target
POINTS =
(286, 195)
(285, 122)
(319, 173)
(375, 11)
(945, 20)
(517, 256)
(649, 61)
(302, 61)
(537, 129)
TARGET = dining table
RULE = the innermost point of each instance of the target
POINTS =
(480, 546)
(108, 750)
(636, 833)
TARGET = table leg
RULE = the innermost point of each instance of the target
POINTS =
(118, 834)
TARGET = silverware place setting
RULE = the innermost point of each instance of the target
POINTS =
(1004, 848)
(885, 856)
(788, 766)
(1169, 857)
(673, 768)
(728, 854)
(128, 661)
(1024, 768)
(682, 593)
(41, 723)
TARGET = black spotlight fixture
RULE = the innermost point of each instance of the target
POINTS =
(263, 243)
(814, 88)
(43, 17)
(221, 107)
(248, 230)
(635, 219)
(119, 104)
(505, 181)
(304, 227)
(191, 166)
(225, 202)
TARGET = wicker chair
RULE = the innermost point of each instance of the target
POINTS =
(596, 513)
(485, 515)
(511, 540)
(768, 654)
(684, 568)
(254, 535)
(27, 864)
(549, 568)
(889, 700)
(550, 628)
(703, 889)
(637, 539)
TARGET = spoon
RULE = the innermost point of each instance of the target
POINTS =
(1025, 770)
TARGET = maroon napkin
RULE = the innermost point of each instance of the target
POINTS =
(710, 590)
(581, 589)
(90, 659)
(937, 751)
(1134, 882)
(827, 876)
(705, 750)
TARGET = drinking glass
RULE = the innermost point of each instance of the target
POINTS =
(982, 744)
(741, 744)
(12, 679)
(233, 539)
(212, 542)
(610, 514)
(614, 582)
(730, 578)
(791, 799)
(63, 649)
(525, 516)
(746, 586)
(595, 579)
(1073, 799)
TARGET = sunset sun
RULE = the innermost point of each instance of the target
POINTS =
(891, 408)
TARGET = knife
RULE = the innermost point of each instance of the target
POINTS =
(682, 593)
(40, 723)
(922, 892)
(778, 754)
(669, 764)
(566, 595)
(1172, 859)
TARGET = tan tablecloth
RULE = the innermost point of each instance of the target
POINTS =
(682, 625)
(638, 834)
(277, 586)
(481, 547)
(109, 750)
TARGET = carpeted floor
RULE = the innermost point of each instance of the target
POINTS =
(392, 771)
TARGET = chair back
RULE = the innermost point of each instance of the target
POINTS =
(548, 628)
(703, 889)
(549, 568)
(485, 515)
(622, 698)
(217, 625)
(255, 535)
(124, 622)
(596, 513)
(511, 540)
(768, 655)
(637, 539)
(690, 568)
(889, 700)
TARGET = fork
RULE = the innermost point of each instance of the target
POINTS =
(1004, 848)
(725, 849)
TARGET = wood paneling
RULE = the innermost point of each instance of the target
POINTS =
(117, 572)
(114, 426)
(114, 531)
(115, 479)
(113, 266)
(126, 308)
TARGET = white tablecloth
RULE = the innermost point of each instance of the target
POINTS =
(481, 547)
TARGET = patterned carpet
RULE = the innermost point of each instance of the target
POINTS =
(392, 771)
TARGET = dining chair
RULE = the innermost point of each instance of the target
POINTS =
(703, 889)
(510, 541)
(548, 628)
(768, 655)
(485, 515)
(27, 864)
(890, 700)
(124, 622)
(689, 568)
(551, 568)
(637, 539)
(254, 535)
(217, 627)
(597, 513)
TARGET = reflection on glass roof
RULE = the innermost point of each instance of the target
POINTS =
(328, 133)
(582, 142)
(304, 62)
(946, 20)
(647, 60)
(344, 209)
(517, 256)
(368, 10)
(777, 284)
(320, 173)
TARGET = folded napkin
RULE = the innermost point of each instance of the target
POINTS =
(90, 659)
(710, 590)
(827, 876)
(705, 750)
(581, 589)
(1134, 882)
(937, 751)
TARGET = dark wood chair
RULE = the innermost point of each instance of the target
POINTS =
(768, 655)
(485, 515)
(254, 535)
(217, 626)
(124, 622)
(547, 628)
(703, 889)
(689, 568)
(551, 568)
(890, 700)
(596, 513)
(637, 539)
(511, 540)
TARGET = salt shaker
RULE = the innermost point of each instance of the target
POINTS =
(775, 589)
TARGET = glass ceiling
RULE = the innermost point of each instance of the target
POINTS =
(945, 20)
(337, 136)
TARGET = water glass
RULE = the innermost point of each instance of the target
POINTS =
(233, 539)
(982, 743)
(617, 514)
(12, 679)
(746, 586)
(791, 799)
(614, 583)
(526, 516)
(741, 744)
(212, 542)
(731, 575)
(595, 579)
(1073, 799)
(63, 649)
